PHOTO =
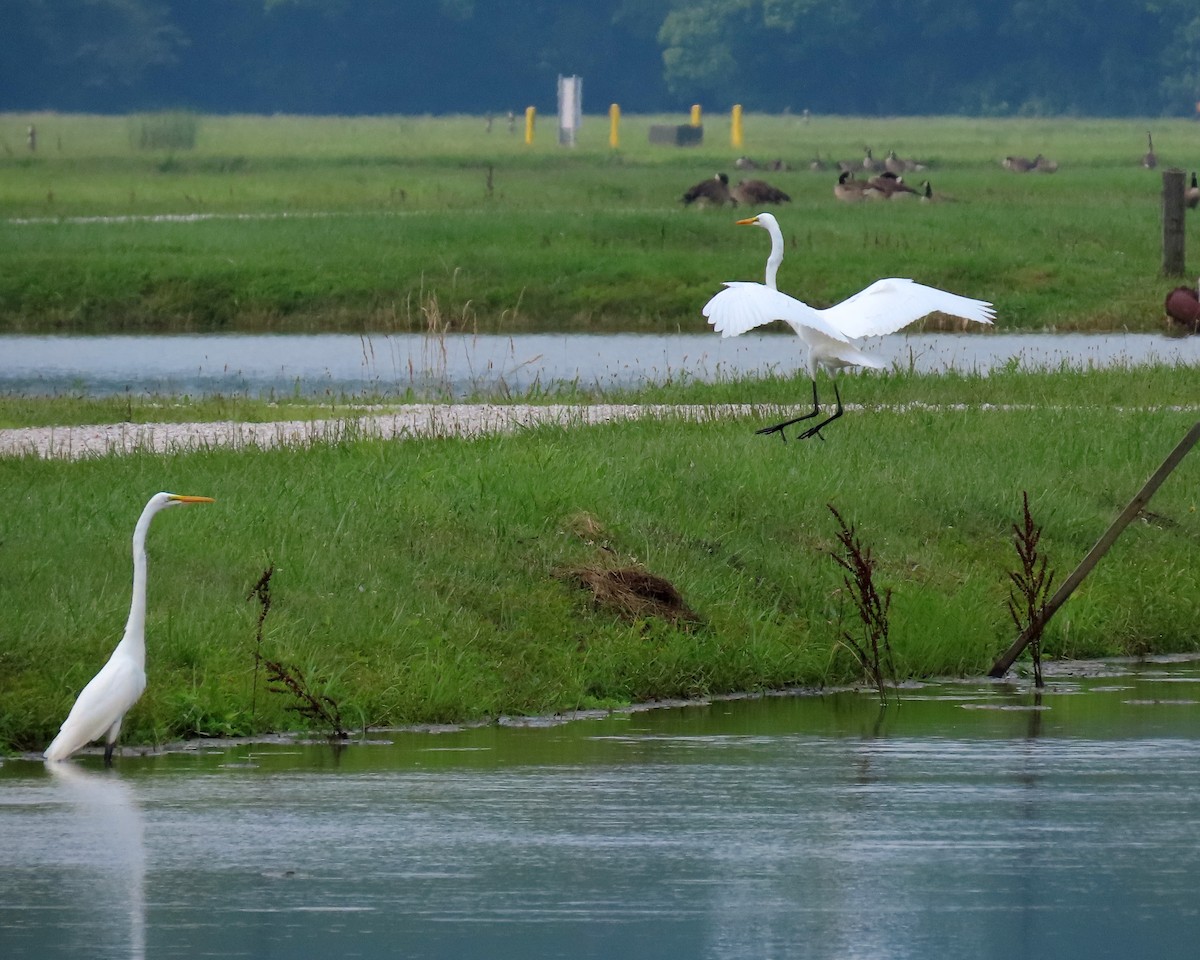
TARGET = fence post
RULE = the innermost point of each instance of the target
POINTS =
(1173, 255)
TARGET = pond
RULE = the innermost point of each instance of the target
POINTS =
(969, 819)
(455, 366)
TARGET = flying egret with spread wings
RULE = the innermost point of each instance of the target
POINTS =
(106, 699)
(884, 307)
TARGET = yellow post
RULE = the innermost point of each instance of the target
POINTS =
(614, 123)
(530, 114)
(695, 114)
(735, 129)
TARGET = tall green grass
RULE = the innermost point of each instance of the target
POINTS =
(371, 217)
(419, 581)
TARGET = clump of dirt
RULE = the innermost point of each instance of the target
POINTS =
(632, 592)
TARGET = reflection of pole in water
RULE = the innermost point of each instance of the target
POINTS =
(107, 814)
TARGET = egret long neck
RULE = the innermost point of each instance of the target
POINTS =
(133, 644)
(776, 257)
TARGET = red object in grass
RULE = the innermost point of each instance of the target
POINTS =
(1183, 307)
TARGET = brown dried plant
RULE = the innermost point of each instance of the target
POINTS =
(1030, 590)
(870, 647)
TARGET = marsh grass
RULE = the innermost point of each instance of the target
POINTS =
(358, 217)
(417, 579)
(1148, 387)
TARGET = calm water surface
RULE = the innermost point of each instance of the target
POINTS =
(459, 365)
(964, 822)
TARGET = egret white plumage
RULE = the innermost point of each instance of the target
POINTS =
(103, 703)
(884, 307)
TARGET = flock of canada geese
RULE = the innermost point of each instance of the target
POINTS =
(880, 180)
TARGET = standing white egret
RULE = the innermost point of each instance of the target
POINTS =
(106, 699)
(883, 307)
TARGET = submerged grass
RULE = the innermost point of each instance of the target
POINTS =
(1149, 387)
(420, 581)
(349, 224)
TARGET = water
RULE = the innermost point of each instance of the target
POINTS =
(970, 821)
(460, 365)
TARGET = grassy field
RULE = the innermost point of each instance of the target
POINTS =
(439, 580)
(398, 223)
(430, 580)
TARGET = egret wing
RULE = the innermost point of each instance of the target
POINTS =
(105, 700)
(888, 305)
(744, 305)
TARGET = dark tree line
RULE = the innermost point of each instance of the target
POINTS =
(1040, 57)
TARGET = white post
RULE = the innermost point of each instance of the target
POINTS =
(570, 109)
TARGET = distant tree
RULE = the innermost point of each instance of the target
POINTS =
(76, 53)
(1097, 57)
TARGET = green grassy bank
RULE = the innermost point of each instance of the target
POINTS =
(400, 223)
(428, 580)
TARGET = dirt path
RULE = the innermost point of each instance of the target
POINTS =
(418, 420)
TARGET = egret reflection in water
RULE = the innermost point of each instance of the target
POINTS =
(102, 845)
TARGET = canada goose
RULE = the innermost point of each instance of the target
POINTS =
(886, 186)
(1150, 158)
(754, 192)
(1042, 165)
(847, 188)
(779, 164)
(869, 162)
(928, 196)
(714, 190)
(1191, 196)
(893, 164)
(1017, 164)
(816, 164)
(745, 163)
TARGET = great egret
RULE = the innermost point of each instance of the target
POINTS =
(106, 699)
(883, 307)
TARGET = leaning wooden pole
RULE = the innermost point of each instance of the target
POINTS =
(1000, 667)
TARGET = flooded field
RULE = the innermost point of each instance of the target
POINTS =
(964, 820)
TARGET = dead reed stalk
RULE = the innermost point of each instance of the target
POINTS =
(1030, 590)
(871, 648)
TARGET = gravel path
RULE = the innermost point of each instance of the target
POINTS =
(418, 420)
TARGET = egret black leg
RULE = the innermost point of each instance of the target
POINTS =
(108, 752)
(778, 428)
(816, 431)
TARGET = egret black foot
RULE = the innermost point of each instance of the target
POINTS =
(778, 428)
